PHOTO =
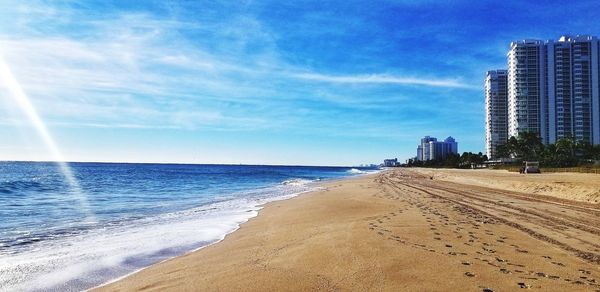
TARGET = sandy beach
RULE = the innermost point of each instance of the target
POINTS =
(401, 230)
(571, 186)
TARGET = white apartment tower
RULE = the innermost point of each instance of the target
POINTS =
(525, 87)
(553, 89)
(423, 150)
(496, 110)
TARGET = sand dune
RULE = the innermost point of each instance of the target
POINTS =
(397, 231)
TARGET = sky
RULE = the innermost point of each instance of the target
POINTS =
(259, 82)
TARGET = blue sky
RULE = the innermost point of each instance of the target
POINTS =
(266, 82)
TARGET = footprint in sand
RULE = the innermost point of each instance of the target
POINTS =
(585, 272)
(553, 277)
(469, 274)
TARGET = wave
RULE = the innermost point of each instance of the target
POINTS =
(19, 186)
(82, 261)
(296, 182)
(356, 171)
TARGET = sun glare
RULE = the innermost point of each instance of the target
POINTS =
(22, 100)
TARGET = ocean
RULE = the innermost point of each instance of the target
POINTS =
(124, 217)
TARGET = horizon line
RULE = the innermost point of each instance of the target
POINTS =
(181, 163)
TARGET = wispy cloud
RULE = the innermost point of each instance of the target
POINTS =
(137, 69)
(274, 70)
(384, 79)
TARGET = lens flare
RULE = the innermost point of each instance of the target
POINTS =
(19, 96)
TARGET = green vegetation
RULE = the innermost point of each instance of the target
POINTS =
(453, 161)
(566, 152)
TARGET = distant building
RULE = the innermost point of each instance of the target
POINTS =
(496, 111)
(451, 144)
(390, 162)
(423, 150)
(432, 149)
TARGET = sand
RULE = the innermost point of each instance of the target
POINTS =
(571, 186)
(396, 231)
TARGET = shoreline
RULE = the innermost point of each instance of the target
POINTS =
(319, 186)
(372, 227)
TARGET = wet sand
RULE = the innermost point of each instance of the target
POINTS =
(397, 231)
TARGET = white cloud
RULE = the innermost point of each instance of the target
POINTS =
(383, 79)
(136, 70)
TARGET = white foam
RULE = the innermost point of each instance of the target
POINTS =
(298, 182)
(358, 171)
(87, 260)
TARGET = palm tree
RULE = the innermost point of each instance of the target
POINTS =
(528, 146)
(565, 152)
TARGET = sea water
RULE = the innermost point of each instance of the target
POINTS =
(136, 215)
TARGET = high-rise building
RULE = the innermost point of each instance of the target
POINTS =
(390, 162)
(432, 149)
(553, 89)
(424, 148)
(573, 94)
(496, 111)
(451, 146)
(419, 153)
(525, 86)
